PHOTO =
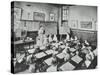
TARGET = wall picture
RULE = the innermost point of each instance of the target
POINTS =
(39, 16)
(86, 24)
(74, 24)
(52, 17)
(27, 15)
(17, 13)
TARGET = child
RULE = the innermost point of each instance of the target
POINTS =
(32, 65)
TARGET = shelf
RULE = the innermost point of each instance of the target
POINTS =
(39, 21)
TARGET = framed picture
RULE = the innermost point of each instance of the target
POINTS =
(27, 15)
(86, 24)
(16, 13)
(64, 28)
(52, 17)
(74, 24)
(39, 16)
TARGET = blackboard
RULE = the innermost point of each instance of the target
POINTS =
(32, 26)
(50, 27)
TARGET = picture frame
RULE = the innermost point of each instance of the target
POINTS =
(74, 24)
(52, 17)
(26, 15)
(17, 13)
(38, 16)
(86, 25)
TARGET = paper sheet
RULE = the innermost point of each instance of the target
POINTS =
(67, 66)
(72, 49)
(52, 69)
(77, 59)
(31, 50)
(49, 61)
(61, 55)
(40, 55)
(49, 52)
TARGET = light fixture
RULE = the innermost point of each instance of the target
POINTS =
(28, 5)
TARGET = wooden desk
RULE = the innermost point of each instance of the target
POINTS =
(21, 45)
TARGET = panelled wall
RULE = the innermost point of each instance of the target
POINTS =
(90, 36)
